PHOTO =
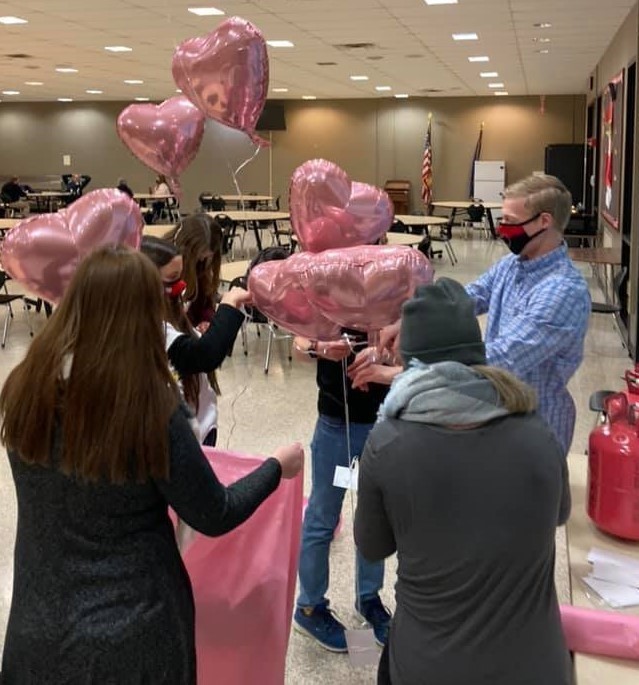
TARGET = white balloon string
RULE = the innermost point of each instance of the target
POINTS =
(234, 174)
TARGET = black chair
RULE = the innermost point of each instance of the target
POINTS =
(476, 220)
(398, 227)
(613, 308)
(206, 202)
(217, 204)
(229, 233)
(6, 298)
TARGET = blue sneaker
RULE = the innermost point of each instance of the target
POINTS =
(377, 616)
(320, 623)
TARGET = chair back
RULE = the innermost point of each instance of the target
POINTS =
(217, 204)
(398, 227)
(228, 231)
(476, 212)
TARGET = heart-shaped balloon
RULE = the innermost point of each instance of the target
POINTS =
(328, 210)
(225, 74)
(277, 293)
(43, 252)
(364, 287)
(165, 137)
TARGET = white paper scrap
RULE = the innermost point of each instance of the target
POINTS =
(615, 595)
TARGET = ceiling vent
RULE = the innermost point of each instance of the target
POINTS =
(355, 46)
(18, 55)
(326, 64)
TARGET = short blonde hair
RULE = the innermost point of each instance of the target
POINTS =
(544, 193)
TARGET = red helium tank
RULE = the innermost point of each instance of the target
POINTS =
(613, 473)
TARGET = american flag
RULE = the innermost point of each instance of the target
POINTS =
(427, 168)
(476, 156)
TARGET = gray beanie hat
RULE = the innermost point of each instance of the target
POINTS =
(439, 325)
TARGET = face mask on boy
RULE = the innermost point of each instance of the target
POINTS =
(515, 236)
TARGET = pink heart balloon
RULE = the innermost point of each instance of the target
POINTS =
(328, 210)
(165, 137)
(277, 293)
(43, 252)
(225, 74)
(364, 287)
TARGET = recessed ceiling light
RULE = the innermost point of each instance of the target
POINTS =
(401, 96)
(545, 51)
(488, 74)
(541, 40)
(95, 92)
(359, 78)
(206, 11)
(440, 2)
(381, 88)
(542, 25)
(65, 99)
(465, 36)
(495, 85)
(309, 97)
(8, 21)
(118, 48)
(66, 70)
(11, 92)
(33, 83)
(280, 90)
(280, 43)
(141, 99)
(479, 58)
(133, 81)
(178, 90)
(501, 92)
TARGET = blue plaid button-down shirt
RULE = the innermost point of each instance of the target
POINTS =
(538, 314)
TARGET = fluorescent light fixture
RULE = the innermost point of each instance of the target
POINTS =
(359, 78)
(488, 74)
(65, 99)
(382, 88)
(95, 92)
(11, 92)
(133, 82)
(465, 36)
(440, 2)
(141, 99)
(501, 92)
(118, 48)
(543, 52)
(479, 58)
(309, 97)
(280, 43)
(206, 11)
(178, 90)
(495, 85)
(66, 70)
(33, 83)
(8, 21)
(542, 25)
(401, 96)
(280, 90)
(541, 40)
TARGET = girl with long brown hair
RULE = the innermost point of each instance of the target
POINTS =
(99, 446)
(199, 239)
(195, 358)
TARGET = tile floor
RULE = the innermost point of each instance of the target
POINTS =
(259, 412)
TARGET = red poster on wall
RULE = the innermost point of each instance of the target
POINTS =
(610, 150)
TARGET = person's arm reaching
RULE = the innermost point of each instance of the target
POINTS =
(480, 290)
(197, 496)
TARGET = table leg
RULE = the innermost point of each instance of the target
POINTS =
(258, 239)
(491, 224)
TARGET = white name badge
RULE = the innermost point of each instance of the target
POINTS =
(346, 478)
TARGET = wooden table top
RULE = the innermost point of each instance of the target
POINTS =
(49, 193)
(596, 255)
(245, 198)
(464, 204)
(6, 224)
(582, 537)
(232, 270)
(252, 215)
(420, 220)
(410, 239)
(157, 230)
(151, 196)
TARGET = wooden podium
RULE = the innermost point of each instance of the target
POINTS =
(399, 193)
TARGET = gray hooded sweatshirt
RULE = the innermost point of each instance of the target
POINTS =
(471, 514)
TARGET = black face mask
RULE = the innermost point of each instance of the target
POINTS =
(515, 236)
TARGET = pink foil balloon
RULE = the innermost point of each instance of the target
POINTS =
(225, 74)
(277, 293)
(165, 137)
(328, 210)
(43, 252)
(364, 287)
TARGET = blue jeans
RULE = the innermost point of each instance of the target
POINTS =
(328, 450)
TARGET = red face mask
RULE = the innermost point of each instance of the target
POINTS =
(175, 288)
(515, 236)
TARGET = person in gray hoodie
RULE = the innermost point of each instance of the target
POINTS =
(466, 484)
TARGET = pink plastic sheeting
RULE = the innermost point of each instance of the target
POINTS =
(606, 633)
(244, 584)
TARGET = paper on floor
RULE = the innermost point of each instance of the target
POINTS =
(615, 595)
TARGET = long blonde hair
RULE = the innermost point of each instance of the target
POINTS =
(514, 395)
(111, 408)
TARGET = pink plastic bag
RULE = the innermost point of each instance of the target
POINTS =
(244, 584)
(606, 633)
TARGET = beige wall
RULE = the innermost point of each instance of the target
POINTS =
(374, 140)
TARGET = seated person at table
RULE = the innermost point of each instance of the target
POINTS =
(160, 189)
(464, 481)
(98, 454)
(123, 187)
(199, 239)
(195, 357)
(75, 184)
(14, 196)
